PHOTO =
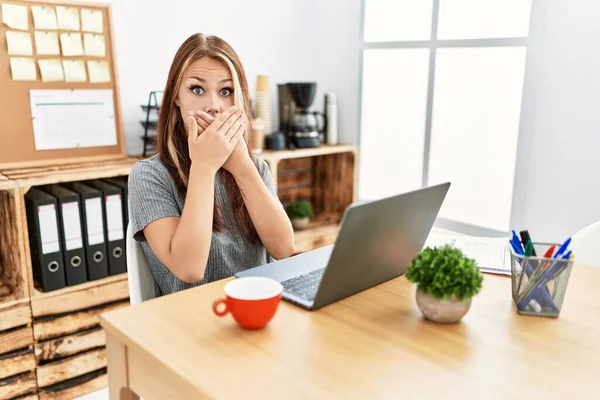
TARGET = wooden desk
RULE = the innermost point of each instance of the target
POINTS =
(372, 345)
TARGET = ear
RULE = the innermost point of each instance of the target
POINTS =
(177, 102)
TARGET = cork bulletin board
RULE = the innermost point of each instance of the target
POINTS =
(20, 144)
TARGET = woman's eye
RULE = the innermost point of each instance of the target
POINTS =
(225, 92)
(197, 90)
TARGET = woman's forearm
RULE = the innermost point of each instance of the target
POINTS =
(268, 215)
(190, 245)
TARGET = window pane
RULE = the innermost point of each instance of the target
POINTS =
(394, 96)
(483, 19)
(397, 20)
(476, 109)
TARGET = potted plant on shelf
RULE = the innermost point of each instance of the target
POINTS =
(446, 282)
(300, 213)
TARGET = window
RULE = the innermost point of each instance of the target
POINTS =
(442, 82)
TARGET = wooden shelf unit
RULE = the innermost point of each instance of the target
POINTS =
(17, 358)
(69, 343)
(326, 176)
(66, 347)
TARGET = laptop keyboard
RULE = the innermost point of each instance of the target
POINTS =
(304, 286)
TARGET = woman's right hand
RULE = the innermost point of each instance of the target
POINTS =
(211, 148)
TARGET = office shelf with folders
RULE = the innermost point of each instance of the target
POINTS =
(36, 323)
(149, 123)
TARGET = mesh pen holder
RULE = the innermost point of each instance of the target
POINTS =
(539, 284)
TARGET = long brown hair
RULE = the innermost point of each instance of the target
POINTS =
(172, 134)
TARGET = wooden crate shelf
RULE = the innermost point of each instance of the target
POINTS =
(6, 184)
(75, 387)
(86, 295)
(14, 275)
(325, 176)
(321, 232)
(17, 358)
(51, 343)
(69, 344)
(21, 387)
(36, 176)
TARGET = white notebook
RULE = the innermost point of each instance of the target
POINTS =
(491, 254)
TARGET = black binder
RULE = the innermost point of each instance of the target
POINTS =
(124, 186)
(114, 233)
(71, 233)
(44, 241)
(92, 221)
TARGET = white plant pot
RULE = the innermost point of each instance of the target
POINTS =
(443, 312)
(300, 223)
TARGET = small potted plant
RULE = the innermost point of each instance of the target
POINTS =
(446, 282)
(300, 213)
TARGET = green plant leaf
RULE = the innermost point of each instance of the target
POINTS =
(445, 272)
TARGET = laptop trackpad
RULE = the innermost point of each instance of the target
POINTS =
(292, 266)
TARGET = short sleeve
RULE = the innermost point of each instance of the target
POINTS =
(265, 173)
(151, 197)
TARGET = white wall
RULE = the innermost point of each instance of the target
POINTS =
(287, 40)
(558, 175)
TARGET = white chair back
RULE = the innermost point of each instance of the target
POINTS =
(141, 282)
(586, 245)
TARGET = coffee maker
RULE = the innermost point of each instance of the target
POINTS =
(301, 126)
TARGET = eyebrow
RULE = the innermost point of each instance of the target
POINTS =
(204, 80)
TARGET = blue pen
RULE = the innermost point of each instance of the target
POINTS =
(516, 247)
(562, 248)
(517, 242)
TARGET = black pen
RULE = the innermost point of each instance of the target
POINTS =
(525, 238)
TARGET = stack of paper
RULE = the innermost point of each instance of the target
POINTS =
(491, 254)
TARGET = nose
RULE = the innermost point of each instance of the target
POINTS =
(213, 106)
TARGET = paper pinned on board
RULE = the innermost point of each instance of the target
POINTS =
(15, 16)
(51, 70)
(19, 43)
(68, 18)
(46, 43)
(491, 254)
(99, 71)
(68, 119)
(44, 17)
(22, 69)
(74, 71)
(94, 45)
(92, 21)
(71, 44)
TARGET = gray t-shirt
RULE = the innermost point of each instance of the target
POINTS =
(153, 195)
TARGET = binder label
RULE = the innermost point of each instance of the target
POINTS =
(114, 217)
(72, 225)
(95, 225)
(48, 229)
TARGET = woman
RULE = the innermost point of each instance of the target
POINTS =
(204, 207)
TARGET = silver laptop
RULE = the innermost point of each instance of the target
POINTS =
(376, 242)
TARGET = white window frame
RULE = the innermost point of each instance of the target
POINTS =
(433, 44)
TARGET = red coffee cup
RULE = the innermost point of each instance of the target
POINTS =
(252, 301)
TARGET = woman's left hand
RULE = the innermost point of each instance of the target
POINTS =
(239, 159)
